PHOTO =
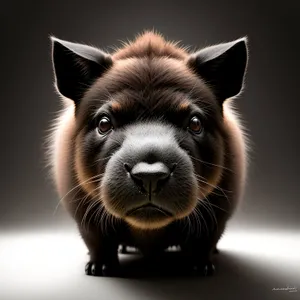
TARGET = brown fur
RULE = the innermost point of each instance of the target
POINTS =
(150, 44)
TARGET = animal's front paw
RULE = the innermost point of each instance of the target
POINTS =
(101, 269)
(204, 269)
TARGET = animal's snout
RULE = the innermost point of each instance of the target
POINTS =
(150, 177)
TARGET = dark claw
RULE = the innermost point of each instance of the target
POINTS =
(98, 269)
(207, 269)
(93, 269)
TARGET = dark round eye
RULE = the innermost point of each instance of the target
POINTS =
(195, 125)
(104, 125)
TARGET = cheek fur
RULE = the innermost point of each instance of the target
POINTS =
(87, 179)
(104, 196)
(213, 170)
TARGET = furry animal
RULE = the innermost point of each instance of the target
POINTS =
(148, 150)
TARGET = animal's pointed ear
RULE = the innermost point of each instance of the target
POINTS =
(222, 66)
(76, 67)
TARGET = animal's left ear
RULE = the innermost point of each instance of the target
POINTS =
(222, 66)
(76, 67)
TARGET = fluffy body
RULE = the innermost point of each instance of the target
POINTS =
(148, 64)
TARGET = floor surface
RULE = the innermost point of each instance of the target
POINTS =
(50, 265)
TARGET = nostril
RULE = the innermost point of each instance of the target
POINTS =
(160, 183)
(173, 168)
(127, 167)
(140, 183)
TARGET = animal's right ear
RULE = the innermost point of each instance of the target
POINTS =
(76, 67)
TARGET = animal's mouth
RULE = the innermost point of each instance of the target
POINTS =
(149, 209)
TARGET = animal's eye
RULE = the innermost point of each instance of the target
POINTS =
(104, 125)
(195, 125)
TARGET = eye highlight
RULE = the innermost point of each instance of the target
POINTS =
(104, 125)
(195, 125)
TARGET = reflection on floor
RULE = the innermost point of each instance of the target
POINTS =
(50, 265)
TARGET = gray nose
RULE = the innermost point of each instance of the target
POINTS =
(149, 176)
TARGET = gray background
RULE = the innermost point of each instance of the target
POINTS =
(269, 105)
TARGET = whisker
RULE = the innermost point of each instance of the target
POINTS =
(113, 220)
(214, 205)
(216, 187)
(196, 213)
(189, 227)
(74, 188)
(208, 163)
(95, 212)
(106, 222)
(103, 158)
(99, 216)
(204, 221)
(210, 210)
(90, 207)
(83, 199)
